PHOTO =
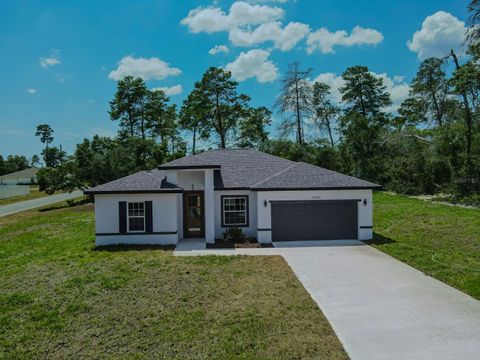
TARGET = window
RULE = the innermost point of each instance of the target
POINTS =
(235, 211)
(136, 217)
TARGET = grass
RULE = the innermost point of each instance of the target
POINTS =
(440, 240)
(62, 298)
(34, 194)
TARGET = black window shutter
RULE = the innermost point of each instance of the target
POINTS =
(122, 217)
(148, 217)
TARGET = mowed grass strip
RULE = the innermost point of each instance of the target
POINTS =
(60, 298)
(440, 240)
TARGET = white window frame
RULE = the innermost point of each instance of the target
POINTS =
(137, 217)
(227, 197)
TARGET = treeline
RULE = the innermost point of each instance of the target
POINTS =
(431, 145)
(14, 163)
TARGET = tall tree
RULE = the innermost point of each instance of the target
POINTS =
(35, 160)
(158, 121)
(473, 32)
(363, 92)
(295, 100)
(412, 112)
(193, 117)
(465, 82)
(222, 106)
(53, 156)
(128, 105)
(325, 111)
(431, 87)
(45, 132)
(252, 132)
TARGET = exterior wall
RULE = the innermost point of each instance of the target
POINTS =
(164, 212)
(19, 181)
(251, 230)
(191, 180)
(365, 220)
(8, 191)
(209, 207)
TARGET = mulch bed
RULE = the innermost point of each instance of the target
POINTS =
(220, 244)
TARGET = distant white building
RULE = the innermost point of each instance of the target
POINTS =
(22, 177)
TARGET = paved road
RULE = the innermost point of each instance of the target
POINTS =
(379, 307)
(36, 203)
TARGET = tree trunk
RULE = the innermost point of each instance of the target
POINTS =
(437, 110)
(194, 139)
(221, 131)
(130, 122)
(299, 119)
(327, 121)
(362, 103)
(468, 113)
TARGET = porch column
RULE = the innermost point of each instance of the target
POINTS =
(209, 207)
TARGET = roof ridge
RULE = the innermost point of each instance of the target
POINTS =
(275, 175)
(338, 173)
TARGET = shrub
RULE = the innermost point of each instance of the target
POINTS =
(234, 234)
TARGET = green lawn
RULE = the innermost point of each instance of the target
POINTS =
(34, 194)
(60, 298)
(440, 240)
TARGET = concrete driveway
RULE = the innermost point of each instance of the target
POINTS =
(36, 203)
(379, 307)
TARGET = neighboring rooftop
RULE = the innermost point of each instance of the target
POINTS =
(238, 169)
(143, 181)
(25, 173)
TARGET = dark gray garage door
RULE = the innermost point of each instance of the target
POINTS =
(314, 220)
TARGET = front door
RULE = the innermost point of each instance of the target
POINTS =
(193, 216)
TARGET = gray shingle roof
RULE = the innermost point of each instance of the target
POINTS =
(26, 173)
(306, 176)
(143, 181)
(239, 169)
(257, 170)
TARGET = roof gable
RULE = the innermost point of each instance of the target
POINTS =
(143, 181)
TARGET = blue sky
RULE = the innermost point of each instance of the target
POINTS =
(60, 59)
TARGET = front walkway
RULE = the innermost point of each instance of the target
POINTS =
(380, 308)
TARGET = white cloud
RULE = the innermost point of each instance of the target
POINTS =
(218, 49)
(32, 91)
(147, 69)
(396, 86)
(13, 132)
(214, 19)
(104, 132)
(253, 64)
(335, 82)
(62, 77)
(51, 60)
(267, 1)
(284, 39)
(440, 32)
(398, 90)
(172, 90)
(325, 41)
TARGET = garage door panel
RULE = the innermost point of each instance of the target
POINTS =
(314, 220)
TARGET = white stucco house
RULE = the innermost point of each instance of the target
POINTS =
(22, 177)
(199, 196)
